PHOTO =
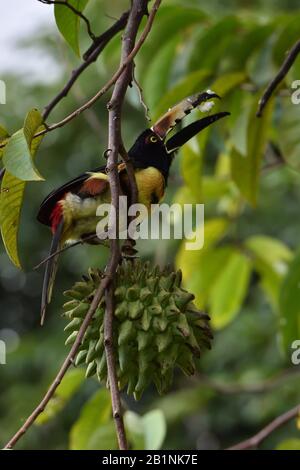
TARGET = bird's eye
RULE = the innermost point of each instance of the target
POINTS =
(153, 139)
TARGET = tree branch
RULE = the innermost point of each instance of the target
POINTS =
(74, 10)
(67, 362)
(113, 79)
(86, 239)
(287, 64)
(141, 97)
(258, 438)
(107, 35)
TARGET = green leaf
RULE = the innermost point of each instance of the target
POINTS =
(210, 265)
(215, 188)
(228, 82)
(288, 138)
(187, 260)
(18, 160)
(155, 428)
(64, 392)
(249, 43)
(184, 196)
(258, 132)
(158, 73)
(134, 430)
(33, 121)
(103, 438)
(191, 167)
(246, 168)
(192, 161)
(287, 38)
(146, 432)
(260, 66)
(289, 444)
(191, 83)
(240, 116)
(171, 20)
(68, 22)
(229, 290)
(18, 154)
(3, 133)
(271, 258)
(3, 144)
(272, 251)
(290, 305)
(111, 54)
(11, 199)
(94, 414)
(71, 383)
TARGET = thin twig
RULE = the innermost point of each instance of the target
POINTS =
(287, 64)
(105, 37)
(90, 115)
(141, 97)
(74, 10)
(110, 82)
(258, 438)
(89, 56)
(114, 78)
(67, 362)
(72, 245)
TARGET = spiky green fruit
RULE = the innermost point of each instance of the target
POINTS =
(156, 327)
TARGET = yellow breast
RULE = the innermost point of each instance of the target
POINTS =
(151, 186)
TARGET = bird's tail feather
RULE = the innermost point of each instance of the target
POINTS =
(50, 270)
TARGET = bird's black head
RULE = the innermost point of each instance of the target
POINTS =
(150, 150)
(151, 147)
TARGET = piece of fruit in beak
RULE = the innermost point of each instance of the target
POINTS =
(175, 114)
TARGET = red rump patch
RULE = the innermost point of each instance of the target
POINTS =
(93, 186)
(56, 216)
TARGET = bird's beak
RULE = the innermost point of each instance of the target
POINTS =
(191, 130)
(175, 115)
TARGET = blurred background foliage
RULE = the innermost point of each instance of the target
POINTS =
(245, 171)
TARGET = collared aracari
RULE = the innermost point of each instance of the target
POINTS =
(70, 211)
